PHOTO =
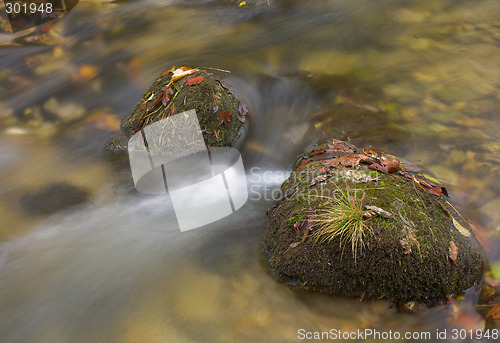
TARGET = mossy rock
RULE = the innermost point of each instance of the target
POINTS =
(406, 257)
(221, 116)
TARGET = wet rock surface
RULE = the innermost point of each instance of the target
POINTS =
(361, 224)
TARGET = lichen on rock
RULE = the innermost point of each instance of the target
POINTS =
(407, 246)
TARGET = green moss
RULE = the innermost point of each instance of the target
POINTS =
(209, 99)
(384, 267)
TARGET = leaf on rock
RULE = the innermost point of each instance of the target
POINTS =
(224, 118)
(386, 167)
(453, 252)
(460, 228)
(194, 80)
(406, 246)
(348, 161)
(242, 112)
(181, 72)
(318, 179)
(380, 212)
(323, 170)
(316, 152)
(167, 92)
(303, 163)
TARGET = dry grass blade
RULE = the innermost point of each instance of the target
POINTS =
(342, 218)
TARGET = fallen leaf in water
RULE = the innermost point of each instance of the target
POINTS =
(194, 80)
(460, 228)
(453, 252)
(46, 27)
(242, 112)
(494, 312)
(105, 122)
(348, 161)
(465, 316)
(224, 118)
(87, 72)
(167, 92)
(380, 212)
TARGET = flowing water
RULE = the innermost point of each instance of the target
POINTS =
(117, 268)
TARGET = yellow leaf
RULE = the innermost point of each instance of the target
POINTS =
(243, 3)
(181, 72)
(430, 178)
(88, 71)
(460, 228)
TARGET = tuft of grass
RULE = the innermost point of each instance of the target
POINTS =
(342, 217)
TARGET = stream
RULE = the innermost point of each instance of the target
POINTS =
(116, 268)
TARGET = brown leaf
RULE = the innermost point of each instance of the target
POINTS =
(392, 166)
(453, 252)
(167, 92)
(303, 163)
(323, 170)
(342, 146)
(316, 152)
(494, 312)
(194, 80)
(406, 246)
(224, 118)
(242, 112)
(386, 167)
(348, 161)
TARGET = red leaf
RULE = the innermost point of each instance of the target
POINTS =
(303, 163)
(224, 118)
(194, 80)
(316, 152)
(167, 92)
